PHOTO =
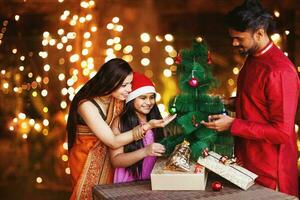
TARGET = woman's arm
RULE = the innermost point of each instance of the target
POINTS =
(120, 159)
(94, 121)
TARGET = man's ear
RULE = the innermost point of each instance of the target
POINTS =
(259, 34)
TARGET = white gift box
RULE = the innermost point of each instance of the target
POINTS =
(234, 173)
(162, 179)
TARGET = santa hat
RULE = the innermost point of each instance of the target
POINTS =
(140, 85)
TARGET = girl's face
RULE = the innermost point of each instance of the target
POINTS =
(122, 92)
(144, 103)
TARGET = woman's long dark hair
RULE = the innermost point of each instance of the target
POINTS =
(128, 120)
(109, 78)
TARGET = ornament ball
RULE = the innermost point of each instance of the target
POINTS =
(216, 186)
(193, 82)
(173, 110)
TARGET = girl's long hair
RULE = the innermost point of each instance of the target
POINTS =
(128, 120)
(109, 78)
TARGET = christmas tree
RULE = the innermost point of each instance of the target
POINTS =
(194, 103)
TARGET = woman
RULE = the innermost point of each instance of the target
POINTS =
(89, 134)
(136, 160)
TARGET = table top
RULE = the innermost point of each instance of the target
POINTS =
(142, 190)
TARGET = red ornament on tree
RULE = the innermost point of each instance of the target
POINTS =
(209, 61)
(193, 82)
(216, 186)
(178, 59)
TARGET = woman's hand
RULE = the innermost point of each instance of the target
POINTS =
(155, 149)
(156, 123)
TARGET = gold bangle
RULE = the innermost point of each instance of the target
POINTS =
(138, 133)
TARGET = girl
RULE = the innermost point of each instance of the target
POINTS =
(136, 160)
(89, 134)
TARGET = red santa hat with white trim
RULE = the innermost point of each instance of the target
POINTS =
(140, 85)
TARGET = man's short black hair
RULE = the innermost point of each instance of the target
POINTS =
(250, 16)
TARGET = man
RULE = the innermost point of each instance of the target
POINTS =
(266, 102)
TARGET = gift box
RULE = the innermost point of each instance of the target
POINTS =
(162, 179)
(229, 170)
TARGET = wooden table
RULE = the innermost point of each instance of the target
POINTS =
(142, 190)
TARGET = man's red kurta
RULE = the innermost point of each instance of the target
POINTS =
(266, 104)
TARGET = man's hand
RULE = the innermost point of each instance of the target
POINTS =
(219, 122)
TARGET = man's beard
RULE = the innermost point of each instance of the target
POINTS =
(250, 51)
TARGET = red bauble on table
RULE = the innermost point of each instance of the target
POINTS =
(193, 82)
(216, 186)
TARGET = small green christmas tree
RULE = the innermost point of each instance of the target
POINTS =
(194, 104)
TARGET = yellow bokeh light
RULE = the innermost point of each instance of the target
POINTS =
(71, 35)
(69, 48)
(109, 51)
(84, 4)
(276, 37)
(169, 61)
(276, 13)
(119, 28)
(230, 82)
(145, 61)
(87, 35)
(63, 104)
(93, 28)
(167, 73)
(46, 67)
(45, 132)
(24, 136)
(146, 49)
(149, 73)
(118, 47)
(64, 91)
(64, 39)
(17, 17)
(127, 58)
(85, 52)
(88, 44)
(173, 54)
(73, 22)
(44, 92)
(34, 94)
(117, 39)
(52, 42)
(45, 122)
(61, 77)
(89, 17)
(39, 180)
(45, 109)
(110, 26)
(74, 58)
(67, 170)
(60, 31)
(82, 19)
(31, 122)
(37, 127)
(14, 51)
(128, 49)
(158, 38)
(115, 20)
(65, 146)
(59, 45)
(169, 37)
(145, 37)
(169, 48)
(158, 97)
(109, 42)
(65, 158)
(235, 70)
